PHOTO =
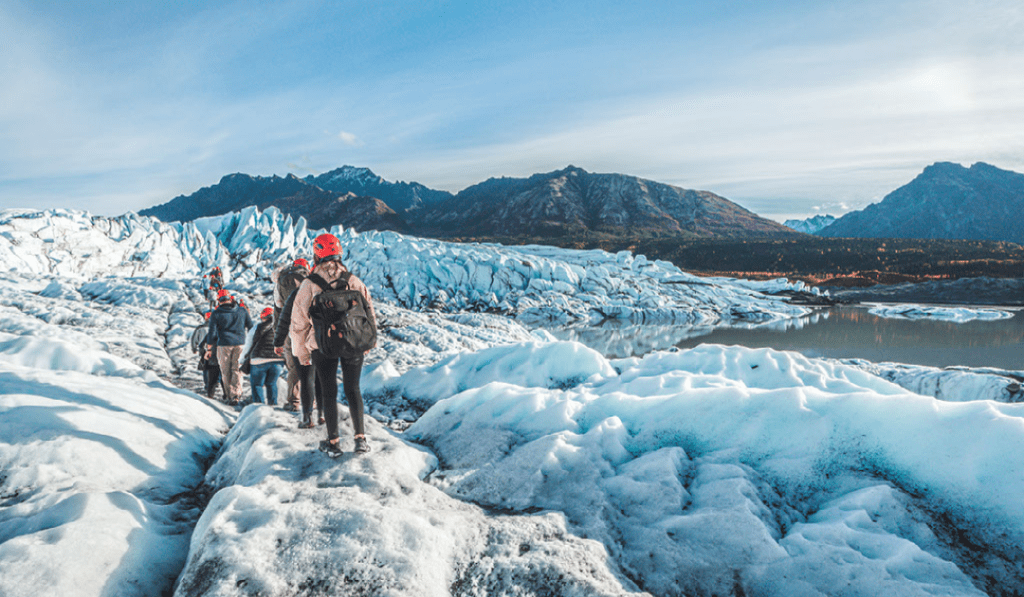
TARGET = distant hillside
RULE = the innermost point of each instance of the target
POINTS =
(290, 194)
(810, 225)
(323, 209)
(946, 201)
(574, 200)
(566, 202)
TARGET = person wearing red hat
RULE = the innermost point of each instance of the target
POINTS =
(216, 283)
(286, 280)
(228, 325)
(264, 364)
(328, 269)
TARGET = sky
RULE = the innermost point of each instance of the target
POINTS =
(791, 108)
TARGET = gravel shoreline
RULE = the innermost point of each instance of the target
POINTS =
(1000, 292)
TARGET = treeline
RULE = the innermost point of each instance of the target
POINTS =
(812, 258)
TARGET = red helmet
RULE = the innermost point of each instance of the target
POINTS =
(301, 262)
(223, 295)
(266, 313)
(326, 247)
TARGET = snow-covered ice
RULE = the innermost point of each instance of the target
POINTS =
(953, 314)
(505, 462)
(97, 472)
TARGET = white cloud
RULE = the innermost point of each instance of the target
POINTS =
(350, 139)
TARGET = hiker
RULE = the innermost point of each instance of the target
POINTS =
(216, 278)
(214, 283)
(209, 367)
(287, 279)
(306, 381)
(264, 365)
(329, 275)
(228, 325)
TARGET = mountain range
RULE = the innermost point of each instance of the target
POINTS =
(945, 201)
(555, 204)
(810, 225)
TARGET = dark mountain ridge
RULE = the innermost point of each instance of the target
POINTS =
(290, 194)
(945, 201)
(553, 204)
(573, 200)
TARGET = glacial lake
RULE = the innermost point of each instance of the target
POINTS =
(833, 332)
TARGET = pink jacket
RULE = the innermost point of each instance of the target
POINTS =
(301, 329)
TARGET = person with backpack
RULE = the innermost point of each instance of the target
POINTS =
(305, 377)
(264, 364)
(209, 367)
(332, 323)
(228, 326)
(216, 284)
(287, 279)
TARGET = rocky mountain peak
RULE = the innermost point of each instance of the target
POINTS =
(945, 201)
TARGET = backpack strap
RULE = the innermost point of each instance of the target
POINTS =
(325, 285)
(319, 281)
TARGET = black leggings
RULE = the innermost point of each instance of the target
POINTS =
(327, 375)
(309, 387)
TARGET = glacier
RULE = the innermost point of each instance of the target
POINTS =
(505, 462)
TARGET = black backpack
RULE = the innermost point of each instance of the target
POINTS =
(342, 324)
(289, 279)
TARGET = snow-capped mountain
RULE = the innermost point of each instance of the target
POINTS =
(402, 197)
(945, 201)
(812, 225)
(544, 205)
(504, 462)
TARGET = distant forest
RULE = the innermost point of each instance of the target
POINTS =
(816, 260)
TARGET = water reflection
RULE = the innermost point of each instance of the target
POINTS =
(837, 332)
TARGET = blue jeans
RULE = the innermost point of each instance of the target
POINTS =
(263, 379)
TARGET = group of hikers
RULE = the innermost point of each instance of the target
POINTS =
(322, 319)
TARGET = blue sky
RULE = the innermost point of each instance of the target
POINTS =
(789, 108)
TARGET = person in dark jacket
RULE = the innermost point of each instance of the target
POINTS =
(198, 343)
(264, 365)
(228, 325)
(303, 374)
(213, 283)
(286, 279)
(209, 366)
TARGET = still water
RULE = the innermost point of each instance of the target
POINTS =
(835, 332)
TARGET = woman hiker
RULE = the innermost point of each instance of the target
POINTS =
(264, 365)
(329, 269)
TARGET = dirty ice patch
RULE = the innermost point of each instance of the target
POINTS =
(722, 467)
(97, 480)
(952, 314)
(288, 520)
(147, 293)
(409, 338)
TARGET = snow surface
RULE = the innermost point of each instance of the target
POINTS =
(504, 462)
(953, 314)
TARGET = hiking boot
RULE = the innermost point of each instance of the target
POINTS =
(332, 449)
(362, 446)
(306, 423)
(321, 421)
(290, 408)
